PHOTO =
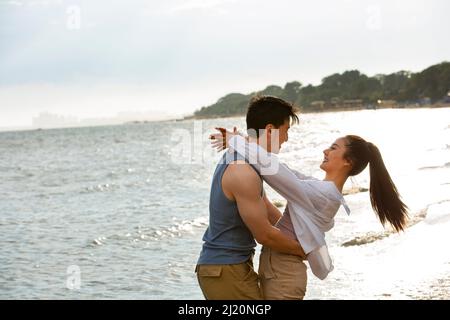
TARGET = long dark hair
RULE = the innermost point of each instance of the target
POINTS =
(384, 196)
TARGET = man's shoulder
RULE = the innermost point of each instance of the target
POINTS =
(241, 167)
(240, 174)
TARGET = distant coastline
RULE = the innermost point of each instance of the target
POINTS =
(406, 106)
(348, 91)
(193, 117)
(81, 125)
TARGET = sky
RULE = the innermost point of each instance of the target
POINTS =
(95, 59)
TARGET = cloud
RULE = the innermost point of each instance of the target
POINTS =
(12, 3)
(31, 3)
(200, 5)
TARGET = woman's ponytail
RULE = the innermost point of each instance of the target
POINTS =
(384, 196)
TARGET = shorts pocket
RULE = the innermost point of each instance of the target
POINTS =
(209, 271)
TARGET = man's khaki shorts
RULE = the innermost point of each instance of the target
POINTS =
(229, 281)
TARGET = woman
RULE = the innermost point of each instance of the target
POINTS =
(312, 205)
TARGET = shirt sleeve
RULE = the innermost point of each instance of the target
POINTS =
(275, 173)
(301, 175)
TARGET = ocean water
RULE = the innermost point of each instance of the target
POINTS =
(118, 212)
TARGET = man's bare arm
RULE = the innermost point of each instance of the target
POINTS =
(242, 182)
(273, 213)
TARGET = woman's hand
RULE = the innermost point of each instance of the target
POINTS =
(220, 140)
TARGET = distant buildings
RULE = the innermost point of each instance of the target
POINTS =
(447, 98)
(352, 104)
(318, 105)
(387, 104)
(337, 104)
(46, 120)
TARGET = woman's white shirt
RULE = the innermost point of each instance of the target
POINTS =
(312, 203)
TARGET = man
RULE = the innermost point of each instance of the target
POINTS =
(240, 212)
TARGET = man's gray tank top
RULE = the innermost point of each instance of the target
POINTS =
(227, 239)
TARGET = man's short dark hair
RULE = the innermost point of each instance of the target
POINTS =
(264, 110)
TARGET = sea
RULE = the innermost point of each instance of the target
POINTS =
(118, 212)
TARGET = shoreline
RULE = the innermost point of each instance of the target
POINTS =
(409, 106)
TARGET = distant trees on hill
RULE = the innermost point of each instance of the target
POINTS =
(350, 89)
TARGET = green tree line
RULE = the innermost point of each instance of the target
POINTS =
(404, 87)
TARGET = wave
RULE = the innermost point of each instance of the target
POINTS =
(101, 188)
(423, 215)
(439, 214)
(375, 236)
(150, 234)
(446, 165)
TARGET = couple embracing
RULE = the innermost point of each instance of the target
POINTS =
(240, 212)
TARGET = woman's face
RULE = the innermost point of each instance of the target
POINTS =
(333, 160)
